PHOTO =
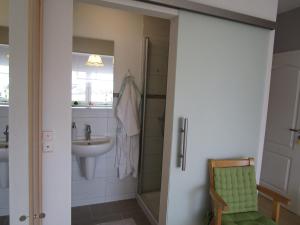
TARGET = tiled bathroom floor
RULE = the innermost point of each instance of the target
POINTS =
(100, 213)
(112, 211)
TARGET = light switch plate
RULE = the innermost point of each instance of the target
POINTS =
(47, 138)
(47, 147)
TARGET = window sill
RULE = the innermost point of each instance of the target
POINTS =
(92, 107)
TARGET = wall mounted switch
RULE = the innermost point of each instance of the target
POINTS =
(47, 138)
(47, 147)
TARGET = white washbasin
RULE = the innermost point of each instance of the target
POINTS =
(92, 148)
(87, 152)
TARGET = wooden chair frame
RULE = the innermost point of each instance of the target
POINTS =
(219, 205)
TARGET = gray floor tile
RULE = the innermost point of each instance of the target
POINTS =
(4, 220)
(108, 212)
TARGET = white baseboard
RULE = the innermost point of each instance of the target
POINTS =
(99, 200)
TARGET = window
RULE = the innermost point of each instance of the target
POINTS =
(4, 74)
(92, 86)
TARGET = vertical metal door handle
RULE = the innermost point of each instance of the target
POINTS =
(183, 131)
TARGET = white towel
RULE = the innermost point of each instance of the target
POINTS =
(127, 113)
(127, 110)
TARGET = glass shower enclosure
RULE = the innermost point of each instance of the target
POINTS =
(153, 121)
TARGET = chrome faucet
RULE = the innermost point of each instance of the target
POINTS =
(88, 132)
(6, 133)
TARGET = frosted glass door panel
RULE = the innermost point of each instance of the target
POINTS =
(220, 86)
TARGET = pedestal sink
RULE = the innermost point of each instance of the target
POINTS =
(3, 165)
(87, 152)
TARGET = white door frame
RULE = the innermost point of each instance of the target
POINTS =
(25, 111)
(172, 15)
(287, 151)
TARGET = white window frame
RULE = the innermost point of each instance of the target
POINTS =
(88, 95)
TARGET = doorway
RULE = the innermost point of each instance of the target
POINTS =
(100, 194)
(281, 150)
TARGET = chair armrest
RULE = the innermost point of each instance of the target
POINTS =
(218, 200)
(274, 195)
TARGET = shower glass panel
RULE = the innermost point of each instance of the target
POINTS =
(156, 32)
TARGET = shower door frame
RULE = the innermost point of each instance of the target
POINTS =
(143, 113)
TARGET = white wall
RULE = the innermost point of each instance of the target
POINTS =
(4, 12)
(266, 9)
(57, 61)
(125, 29)
(19, 111)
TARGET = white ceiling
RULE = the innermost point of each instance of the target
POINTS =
(287, 5)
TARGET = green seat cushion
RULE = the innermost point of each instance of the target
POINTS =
(237, 186)
(247, 218)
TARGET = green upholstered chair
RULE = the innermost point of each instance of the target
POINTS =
(233, 191)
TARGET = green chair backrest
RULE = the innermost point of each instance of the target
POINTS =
(237, 186)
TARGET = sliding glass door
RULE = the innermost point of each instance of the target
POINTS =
(219, 89)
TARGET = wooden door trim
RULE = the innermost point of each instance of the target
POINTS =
(35, 42)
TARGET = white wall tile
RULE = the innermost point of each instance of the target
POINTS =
(111, 170)
(111, 126)
(106, 185)
(87, 188)
(4, 111)
(101, 164)
(4, 192)
(98, 126)
(4, 201)
(116, 187)
(3, 123)
(89, 112)
(3, 120)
